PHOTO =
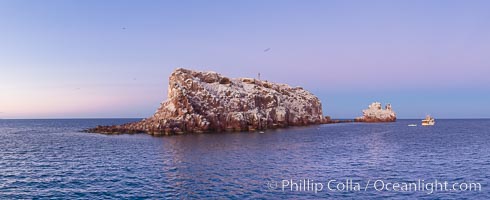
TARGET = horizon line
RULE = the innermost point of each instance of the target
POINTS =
(68, 118)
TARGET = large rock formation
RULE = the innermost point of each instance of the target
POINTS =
(208, 101)
(376, 114)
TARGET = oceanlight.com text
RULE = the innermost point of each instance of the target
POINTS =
(378, 185)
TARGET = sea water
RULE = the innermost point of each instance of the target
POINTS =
(55, 159)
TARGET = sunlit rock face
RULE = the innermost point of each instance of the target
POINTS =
(375, 113)
(207, 101)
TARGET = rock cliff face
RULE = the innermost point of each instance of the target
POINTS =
(207, 101)
(376, 114)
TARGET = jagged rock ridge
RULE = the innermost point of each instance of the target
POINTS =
(375, 113)
(208, 101)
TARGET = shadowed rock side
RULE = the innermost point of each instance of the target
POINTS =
(376, 114)
(207, 101)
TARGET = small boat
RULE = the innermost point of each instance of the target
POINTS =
(412, 125)
(428, 121)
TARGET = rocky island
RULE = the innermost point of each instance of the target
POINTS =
(375, 113)
(210, 102)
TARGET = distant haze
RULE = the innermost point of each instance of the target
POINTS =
(71, 59)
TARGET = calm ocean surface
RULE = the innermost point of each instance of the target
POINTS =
(53, 159)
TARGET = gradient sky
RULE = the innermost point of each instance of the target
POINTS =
(92, 58)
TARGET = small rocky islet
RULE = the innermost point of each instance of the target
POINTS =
(375, 113)
(210, 102)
